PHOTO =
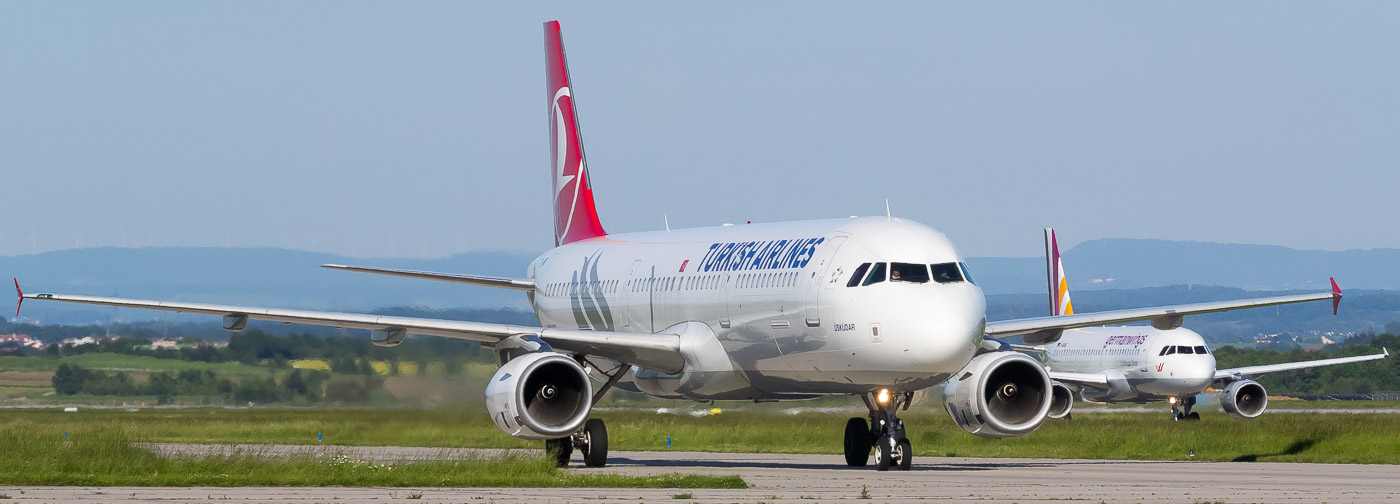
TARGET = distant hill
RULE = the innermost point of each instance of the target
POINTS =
(250, 276)
(289, 278)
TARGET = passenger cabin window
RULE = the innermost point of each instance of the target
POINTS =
(908, 272)
(946, 273)
(877, 274)
(1200, 350)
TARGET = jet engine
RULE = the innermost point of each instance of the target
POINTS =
(1061, 400)
(542, 395)
(999, 395)
(1244, 399)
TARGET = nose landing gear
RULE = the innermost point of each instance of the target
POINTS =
(1181, 409)
(885, 433)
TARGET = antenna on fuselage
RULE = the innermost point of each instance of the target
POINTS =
(887, 210)
(667, 218)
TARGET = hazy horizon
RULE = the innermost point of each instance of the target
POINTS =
(1040, 253)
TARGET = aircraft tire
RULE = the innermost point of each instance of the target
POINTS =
(883, 457)
(1193, 416)
(560, 450)
(595, 449)
(857, 442)
(906, 454)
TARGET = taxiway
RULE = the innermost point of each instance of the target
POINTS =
(804, 478)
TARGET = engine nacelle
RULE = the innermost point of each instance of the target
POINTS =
(999, 395)
(542, 395)
(1061, 400)
(1244, 399)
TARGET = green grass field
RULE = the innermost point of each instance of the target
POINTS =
(108, 456)
(1277, 437)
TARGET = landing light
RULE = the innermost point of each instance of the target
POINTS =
(883, 396)
(1171, 400)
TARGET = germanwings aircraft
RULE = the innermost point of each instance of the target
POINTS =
(874, 307)
(1140, 364)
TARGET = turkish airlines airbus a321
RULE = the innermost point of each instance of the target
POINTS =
(1162, 362)
(874, 307)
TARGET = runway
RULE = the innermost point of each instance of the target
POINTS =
(805, 478)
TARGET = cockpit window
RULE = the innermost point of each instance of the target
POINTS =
(877, 274)
(908, 272)
(1183, 349)
(946, 273)
(967, 273)
(858, 275)
(1200, 350)
(1168, 351)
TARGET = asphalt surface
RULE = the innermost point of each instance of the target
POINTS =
(808, 478)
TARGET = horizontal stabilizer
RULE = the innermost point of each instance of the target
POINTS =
(484, 281)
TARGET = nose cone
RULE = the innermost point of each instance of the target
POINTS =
(1200, 372)
(1183, 375)
(944, 328)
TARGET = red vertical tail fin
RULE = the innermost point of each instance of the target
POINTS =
(575, 216)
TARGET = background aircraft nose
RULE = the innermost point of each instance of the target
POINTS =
(1204, 368)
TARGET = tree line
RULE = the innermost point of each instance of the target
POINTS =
(1356, 378)
(300, 386)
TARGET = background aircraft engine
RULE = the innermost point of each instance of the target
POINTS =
(1061, 400)
(1244, 399)
(541, 395)
(999, 395)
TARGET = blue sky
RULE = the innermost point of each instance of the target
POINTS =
(418, 128)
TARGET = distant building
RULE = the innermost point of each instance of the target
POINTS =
(168, 343)
(22, 340)
(85, 340)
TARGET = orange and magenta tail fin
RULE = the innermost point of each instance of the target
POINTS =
(1055, 276)
(575, 216)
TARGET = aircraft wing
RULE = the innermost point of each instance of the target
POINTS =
(1082, 380)
(1240, 372)
(660, 352)
(503, 283)
(1042, 330)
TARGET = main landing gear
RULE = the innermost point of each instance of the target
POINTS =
(592, 440)
(885, 433)
(1181, 409)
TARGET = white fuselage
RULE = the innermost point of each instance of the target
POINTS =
(1142, 363)
(776, 297)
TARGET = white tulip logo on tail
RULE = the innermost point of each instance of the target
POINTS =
(563, 160)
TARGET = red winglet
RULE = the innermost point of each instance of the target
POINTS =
(20, 294)
(1336, 295)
